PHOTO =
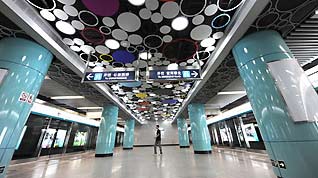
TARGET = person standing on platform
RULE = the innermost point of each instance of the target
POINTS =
(158, 140)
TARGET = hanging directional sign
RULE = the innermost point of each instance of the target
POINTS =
(180, 73)
(114, 75)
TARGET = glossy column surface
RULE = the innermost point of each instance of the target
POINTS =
(183, 133)
(107, 131)
(295, 144)
(129, 134)
(199, 130)
(27, 64)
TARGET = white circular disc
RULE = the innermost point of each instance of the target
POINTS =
(125, 44)
(151, 63)
(167, 38)
(165, 29)
(65, 27)
(109, 22)
(183, 64)
(201, 32)
(152, 4)
(190, 61)
(112, 44)
(169, 10)
(102, 49)
(47, 15)
(78, 25)
(158, 55)
(166, 63)
(197, 20)
(75, 48)
(211, 9)
(67, 2)
(207, 42)
(70, 10)
(68, 41)
(119, 34)
(218, 35)
(140, 64)
(135, 39)
(156, 17)
(60, 14)
(87, 49)
(128, 65)
(128, 22)
(145, 13)
(78, 41)
(210, 48)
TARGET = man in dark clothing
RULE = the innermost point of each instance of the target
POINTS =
(158, 140)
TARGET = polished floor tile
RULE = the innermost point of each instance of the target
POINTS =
(141, 163)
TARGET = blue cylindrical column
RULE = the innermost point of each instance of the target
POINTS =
(291, 146)
(107, 132)
(183, 133)
(199, 130)
(26, 64)
(129, 134)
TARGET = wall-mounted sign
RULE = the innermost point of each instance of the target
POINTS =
(26, 97)
(3, 73)
(114, 75)
(181, 73)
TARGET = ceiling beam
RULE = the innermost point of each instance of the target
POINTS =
(242, 20)
(29, 20)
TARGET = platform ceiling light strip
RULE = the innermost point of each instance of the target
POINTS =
(43, 33)
(242, 20)
(89, 108)
(231, 92)
(67, 97)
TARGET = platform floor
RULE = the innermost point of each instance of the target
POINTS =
(142, 163)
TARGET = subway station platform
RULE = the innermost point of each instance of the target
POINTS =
(142, 163)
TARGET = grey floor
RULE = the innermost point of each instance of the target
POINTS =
(141, 163)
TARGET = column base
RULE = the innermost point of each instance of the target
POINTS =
(104, 155)
(128, 148)
(184, 146)
(202, 152)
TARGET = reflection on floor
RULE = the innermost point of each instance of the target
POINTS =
(141, 163)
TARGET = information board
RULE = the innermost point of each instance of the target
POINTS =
(164, 73)
(118, 75)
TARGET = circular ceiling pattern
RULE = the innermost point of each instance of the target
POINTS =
(102, 7)
(157, 32)
(191, 8)
(169, 10)
(88, 18)
(201, 32)
(128, 22)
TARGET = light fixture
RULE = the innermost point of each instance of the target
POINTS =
(231, 92)
(88, 108)
(207, 42)
(169, 86)
(179, 23)
(145, 55)
(137, 2)
(40, 101)
(66, 97)
(112, 44)
(173, 66)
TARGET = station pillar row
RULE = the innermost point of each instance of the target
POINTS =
(23, 66)
(199, 130)
(107, 132)
(183, 133)
(129, 134)
(292, 146)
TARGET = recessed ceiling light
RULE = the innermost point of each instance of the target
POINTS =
(112, 44)
(173, 66)
(87, 108)
(65, 27)
(207, 42)
(67, 97)
(145, 55)
(169, 86)
(137, 2)
(180, 23)
(231, 92)
(39, 101)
